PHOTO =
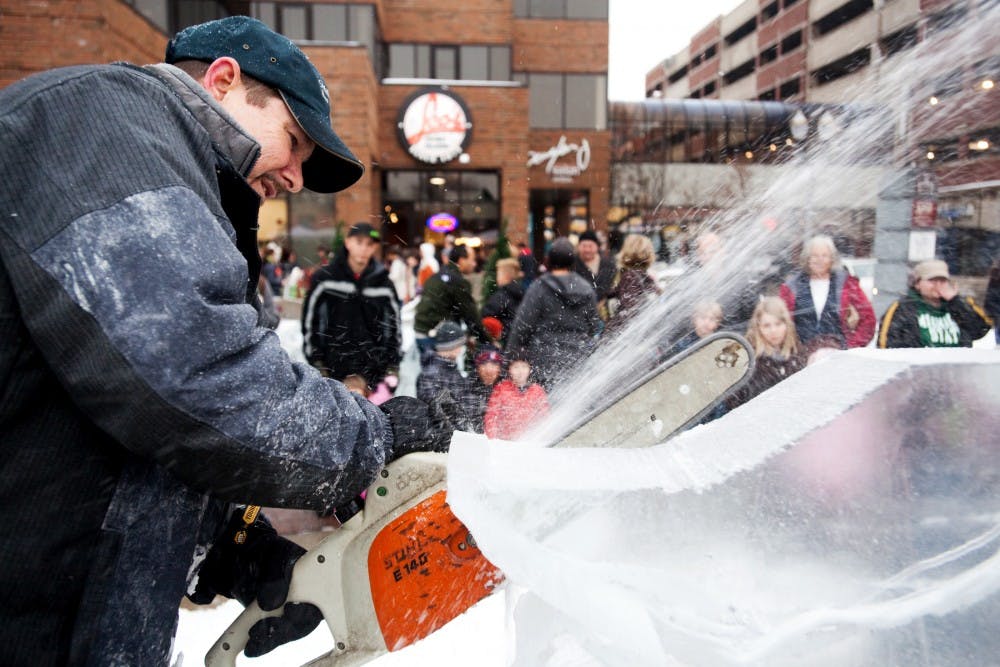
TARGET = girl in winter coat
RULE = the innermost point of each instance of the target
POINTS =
(776, 347)
(516, 403)
(635, 287)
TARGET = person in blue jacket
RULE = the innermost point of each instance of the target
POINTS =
(142, 406)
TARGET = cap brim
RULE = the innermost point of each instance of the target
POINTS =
(332, 167)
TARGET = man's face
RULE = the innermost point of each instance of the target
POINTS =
(467, 264)
(284, 146)
(587, 250)
(360, 248)
(930, 288)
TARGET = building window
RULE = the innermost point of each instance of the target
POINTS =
(743, 31)
(843, 14)
(294, 22)
(791, 42)
(769, 55)
(769, 12)
(746, 69)
(561, 9)
(841, 67)
(319, 21)
(475, 63)
(678, 75)
(790, 88)
(444, 61)
(899, 41)
(567, 100)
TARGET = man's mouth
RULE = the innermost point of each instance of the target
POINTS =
(270, 188)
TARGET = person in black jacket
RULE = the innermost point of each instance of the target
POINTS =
(557, 323)
(932, 314)
(447, 295)
(594, 267)
(992, 301)
(441, 380)
(351, 321)
(503, 303)
(141, 402)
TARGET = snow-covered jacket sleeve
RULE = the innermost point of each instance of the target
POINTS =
(853, 295)
(132, 288)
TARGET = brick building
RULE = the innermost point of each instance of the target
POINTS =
(483, 110)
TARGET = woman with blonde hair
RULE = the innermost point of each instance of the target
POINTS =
(776, 347)
(634, 287)
(827, 303)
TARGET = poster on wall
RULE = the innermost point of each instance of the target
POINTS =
(434, 125)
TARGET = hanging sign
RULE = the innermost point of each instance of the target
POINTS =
(442, 222)
(434, 126)
(562, 172)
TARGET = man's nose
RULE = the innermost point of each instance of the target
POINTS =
(291, 175)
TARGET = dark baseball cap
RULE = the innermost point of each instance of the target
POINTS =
(363, 229)
(275, 61)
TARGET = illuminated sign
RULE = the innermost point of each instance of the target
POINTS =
(434, 126)
(442, 222)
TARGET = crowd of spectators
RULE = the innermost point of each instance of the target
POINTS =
(499, 357)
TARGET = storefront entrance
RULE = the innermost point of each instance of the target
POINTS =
(411, 198)
(555, 213)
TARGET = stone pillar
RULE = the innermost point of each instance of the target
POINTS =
(892, 236)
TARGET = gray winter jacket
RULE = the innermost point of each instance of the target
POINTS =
(138, 395)
(555, 326)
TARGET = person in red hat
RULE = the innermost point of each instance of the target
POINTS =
(489, 370)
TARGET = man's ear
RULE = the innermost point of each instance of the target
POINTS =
(222, 77)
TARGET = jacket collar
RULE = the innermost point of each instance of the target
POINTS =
(231, 140)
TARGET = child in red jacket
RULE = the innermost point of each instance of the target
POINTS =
(515, 403)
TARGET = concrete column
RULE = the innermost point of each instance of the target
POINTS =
(892, 236)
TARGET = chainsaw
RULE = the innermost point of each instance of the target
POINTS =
(404, 566)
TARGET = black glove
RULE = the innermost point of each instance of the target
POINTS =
(255, 563)
(419, 427)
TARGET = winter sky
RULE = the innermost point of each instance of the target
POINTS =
(644, 32)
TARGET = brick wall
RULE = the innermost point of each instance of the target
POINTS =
(353, 94)
(428, 21)
(36, 35)
(560, 46)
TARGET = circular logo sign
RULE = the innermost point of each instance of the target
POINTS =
(434, 126)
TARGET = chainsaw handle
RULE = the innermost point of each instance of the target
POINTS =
(232, 642)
